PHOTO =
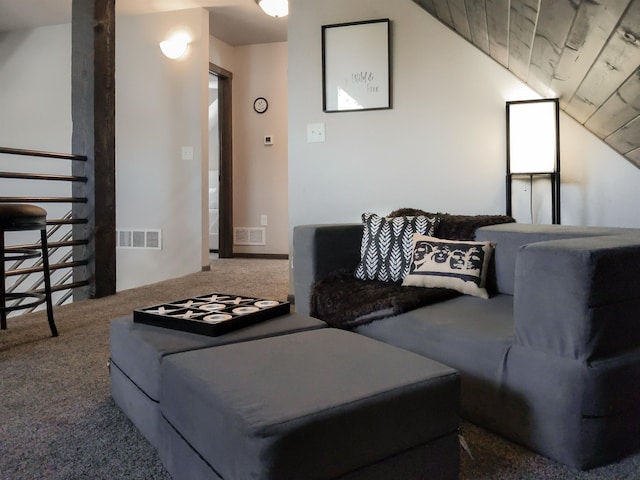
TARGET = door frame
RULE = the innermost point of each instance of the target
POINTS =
(225, 132)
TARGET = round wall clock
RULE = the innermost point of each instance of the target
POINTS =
(260, 104)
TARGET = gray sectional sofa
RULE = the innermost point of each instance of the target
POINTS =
(551, 360)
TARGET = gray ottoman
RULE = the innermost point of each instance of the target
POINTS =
(137, 351)
(321, 404)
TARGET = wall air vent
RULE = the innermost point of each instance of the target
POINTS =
(147, 239)
(249, 236)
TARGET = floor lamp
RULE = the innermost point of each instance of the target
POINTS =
(533, 146)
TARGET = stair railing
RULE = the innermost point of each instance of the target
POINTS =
(64, 276)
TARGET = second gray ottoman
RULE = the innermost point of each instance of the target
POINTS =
(322, 404)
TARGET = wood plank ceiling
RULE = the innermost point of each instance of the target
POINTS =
(585, 52)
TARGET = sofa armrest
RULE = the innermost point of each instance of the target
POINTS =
(578, 298)
(319, 250)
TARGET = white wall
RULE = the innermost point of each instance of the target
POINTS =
(599, 186)
(35, 108)
(259, 171)
(35, 114)
(222, 54)
(161, 106)
(35, 89)
(442, 146)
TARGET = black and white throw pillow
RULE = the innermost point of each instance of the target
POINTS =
(458, 265)
(387, 245)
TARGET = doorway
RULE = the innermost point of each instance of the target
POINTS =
(220, 193)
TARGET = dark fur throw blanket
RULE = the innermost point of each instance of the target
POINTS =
(343, 301)
(456, 227)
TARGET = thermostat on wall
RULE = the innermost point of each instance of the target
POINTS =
(268, 140)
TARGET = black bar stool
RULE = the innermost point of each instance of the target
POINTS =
(21, 217)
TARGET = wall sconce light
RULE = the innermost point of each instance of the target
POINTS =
(274, 8)
(533, 146)
(176, 45)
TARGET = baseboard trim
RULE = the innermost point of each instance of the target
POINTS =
(270, 256)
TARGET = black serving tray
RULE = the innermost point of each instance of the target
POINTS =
(212, 314)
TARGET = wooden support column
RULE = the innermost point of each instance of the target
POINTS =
(93, 115)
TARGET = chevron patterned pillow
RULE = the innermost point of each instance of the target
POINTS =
(387, 245)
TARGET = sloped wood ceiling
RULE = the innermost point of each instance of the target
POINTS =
(585, 52)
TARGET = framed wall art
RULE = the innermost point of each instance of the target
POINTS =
(356, 72)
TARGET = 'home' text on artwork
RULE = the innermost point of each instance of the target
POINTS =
(366, 79)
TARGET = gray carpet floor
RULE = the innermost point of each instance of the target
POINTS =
(58, 421)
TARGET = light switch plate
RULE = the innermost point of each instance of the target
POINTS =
(187, 153)
(315, 132)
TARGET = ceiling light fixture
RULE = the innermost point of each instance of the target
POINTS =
(274, 8)
(176, 45)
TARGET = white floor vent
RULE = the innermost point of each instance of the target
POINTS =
(148, 239)
(249, 236)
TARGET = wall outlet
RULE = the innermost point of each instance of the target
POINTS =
(263, 220)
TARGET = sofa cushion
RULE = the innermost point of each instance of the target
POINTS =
(138, 349)
(307, 405)
(459, 265)
(578, 298)
(466, 333)
(509, 239)
(385, 252)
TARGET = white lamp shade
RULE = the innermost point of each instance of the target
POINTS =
(275, 8)
(176, 45)
(532, 137)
